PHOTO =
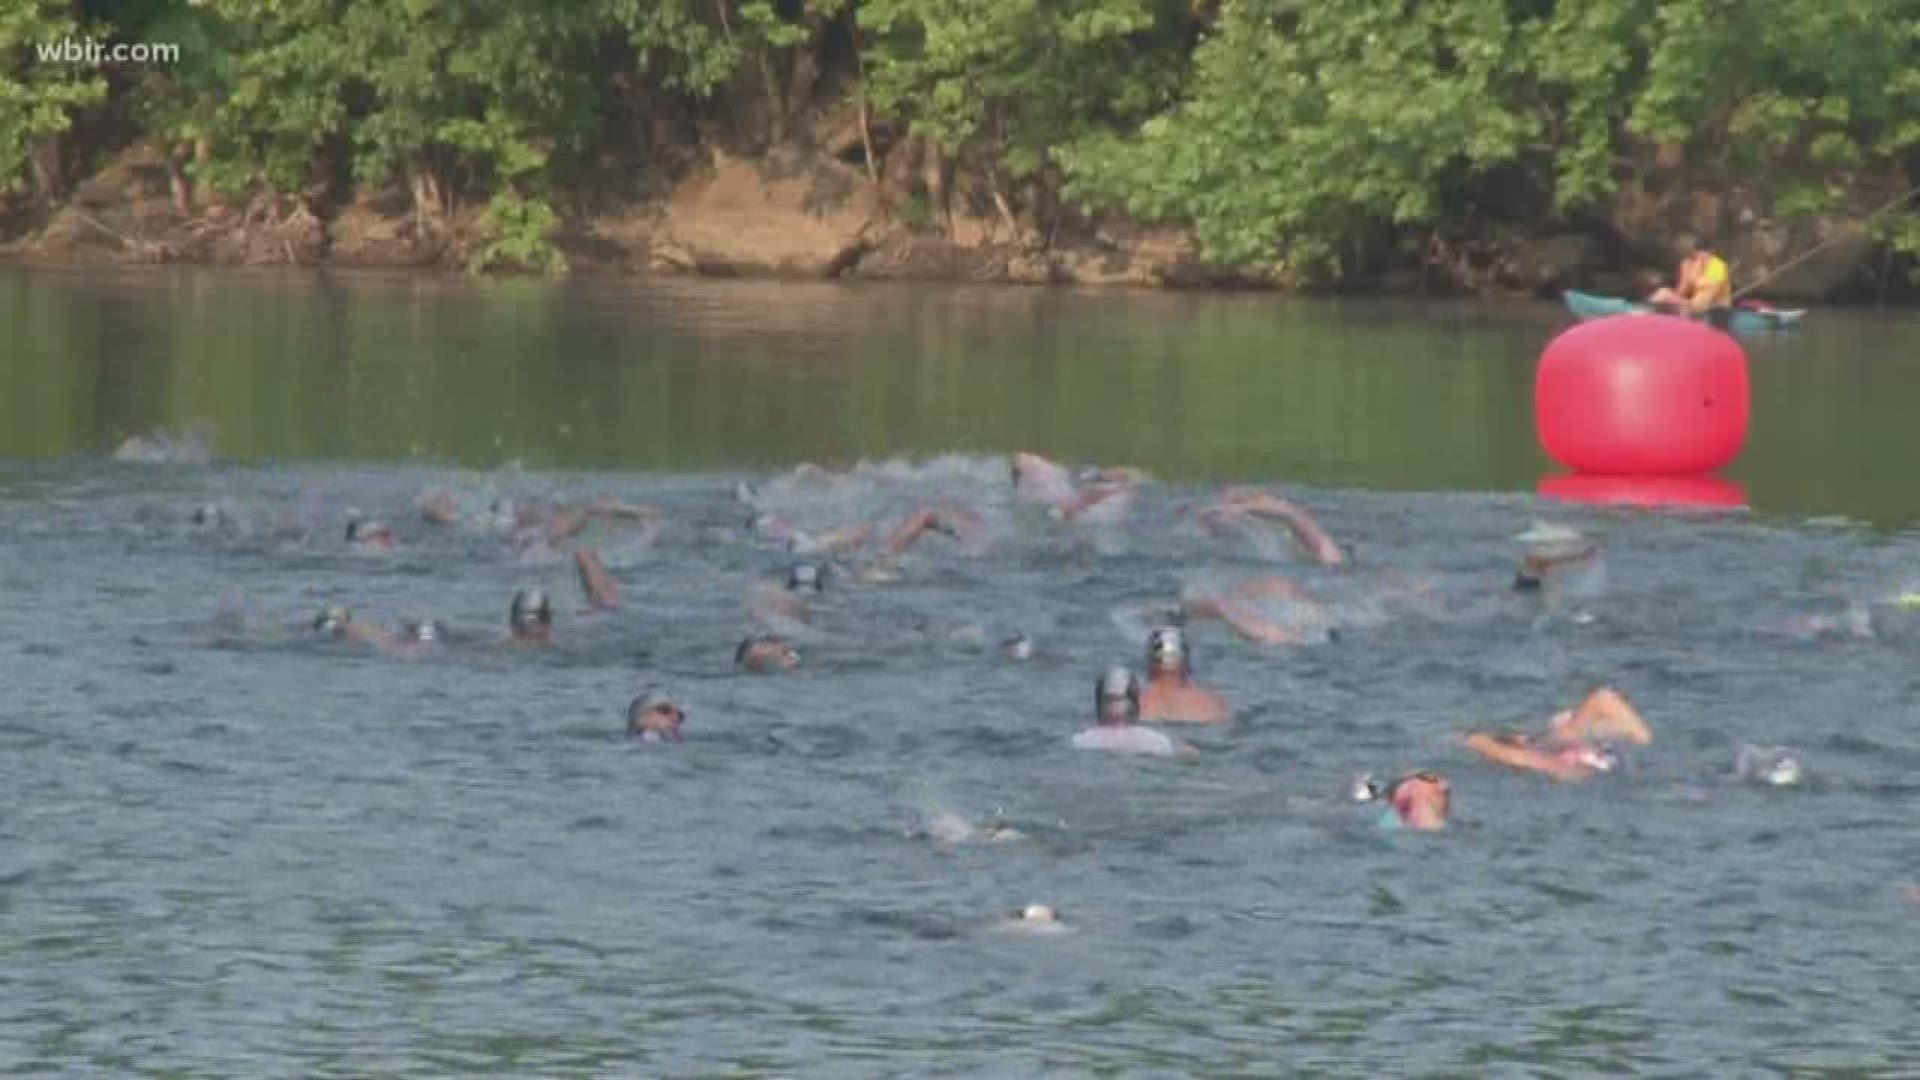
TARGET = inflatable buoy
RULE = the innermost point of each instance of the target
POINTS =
(1680, 492)
(1642, 395)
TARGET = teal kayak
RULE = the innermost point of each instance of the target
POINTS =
(1743, 321)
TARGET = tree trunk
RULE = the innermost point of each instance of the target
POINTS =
(49, 183)
(934, 171)
(179, 184)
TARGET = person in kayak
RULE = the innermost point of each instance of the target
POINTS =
(1701, 284)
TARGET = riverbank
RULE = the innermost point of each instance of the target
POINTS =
(805, 212)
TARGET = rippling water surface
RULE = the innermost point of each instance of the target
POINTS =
(227, 849)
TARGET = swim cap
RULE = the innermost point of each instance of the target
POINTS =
(1116, 684)
(1018, 647)
(530, 607)
(804, 577)
(746, 648)
(649, 701)
(332, 619)
(1364, 789)
(207, 514)
(423, 631)
(1168, 645)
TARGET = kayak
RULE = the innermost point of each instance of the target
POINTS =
(1744, 320)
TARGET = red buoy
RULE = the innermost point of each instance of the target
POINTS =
(1642, 395)
(1673, 492)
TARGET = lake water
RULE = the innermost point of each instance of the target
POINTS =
(228, 849)
(693, 375)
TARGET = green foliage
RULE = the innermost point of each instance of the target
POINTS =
(38, 97)
(1018, 78)
(1306, 122)
(1284, 132)
(519, 236)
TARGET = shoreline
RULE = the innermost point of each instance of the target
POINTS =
(793, 215)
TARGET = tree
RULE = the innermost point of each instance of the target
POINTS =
(39, 94)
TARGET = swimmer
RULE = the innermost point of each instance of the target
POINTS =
(1551, 550)
(337, 623)
(564, 521)
(603, 592)
(1603, 716)
(438, 506)
(368, 535)
(790, 603)
(1018, 648)
(1563, 762)
(1776, 766)
(953, 522)
(1575, 747)
(1240, 504)
(1032, 919)
(1240, 609)
(1116, 700)
(655, 717)
(530, 618)
(1419, 800)
(1171, 695)
(418, 634)
(1038, 480)
(951, 830)
(766, 652)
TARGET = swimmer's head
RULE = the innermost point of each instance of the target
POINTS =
(805, 577)
(531, 615)
(1116, 697)
(422, 631)
(1422, 799)
(1364, 789)
(1597, 758)
(1167, 652)
(654, 715)
(1017, 647)
(332, 620)
(1527, 581)
(208, 514)
(1037, 913)
(1783, 771)
(766, 652)
(366, 531)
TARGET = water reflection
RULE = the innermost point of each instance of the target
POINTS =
(692, 375)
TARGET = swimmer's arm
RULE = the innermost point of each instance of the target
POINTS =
(1088, 499)
(438, 507)
(606, 506)
(1272, 587)
(909, 532)
(566, 522)
(1254, 628)
(603, 592)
